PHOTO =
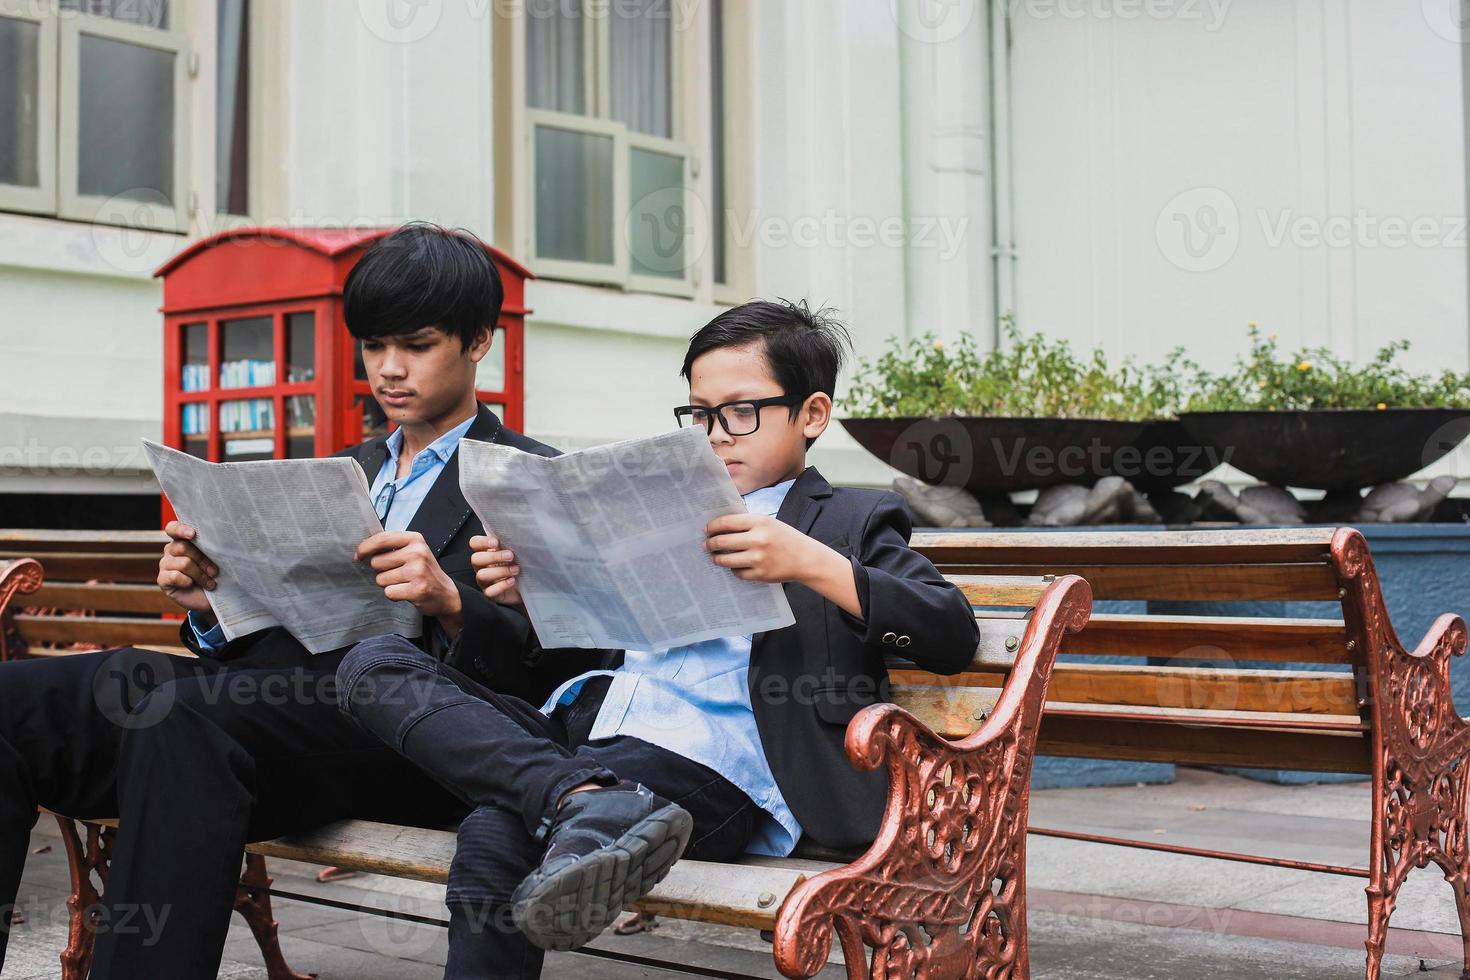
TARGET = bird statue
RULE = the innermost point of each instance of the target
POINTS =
(1404, 503)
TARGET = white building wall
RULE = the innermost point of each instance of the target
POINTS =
(1299, 109)
(1301, 165)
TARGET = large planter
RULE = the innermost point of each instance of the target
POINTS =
(1331, 449)
(999, 455)
(1166, 456)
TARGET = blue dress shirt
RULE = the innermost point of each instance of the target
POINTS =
(395, 499)
(695, 700)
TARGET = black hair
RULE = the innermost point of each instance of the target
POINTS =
(803, 349)
(423, 275)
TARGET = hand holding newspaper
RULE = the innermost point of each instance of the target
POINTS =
(610, 541)
(283, 533)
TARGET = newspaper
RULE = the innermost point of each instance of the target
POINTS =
(282, 533)
(610, 542)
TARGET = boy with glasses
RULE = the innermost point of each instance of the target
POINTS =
(710, 750)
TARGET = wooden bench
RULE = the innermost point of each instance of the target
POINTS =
(941, 889)
(1378, 709)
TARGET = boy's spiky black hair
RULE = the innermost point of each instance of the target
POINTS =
(804, 349)
(423, 275)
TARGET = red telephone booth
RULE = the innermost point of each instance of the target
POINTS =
(258, 363)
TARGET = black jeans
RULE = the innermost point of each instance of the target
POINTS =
(197, 757)
(510, 762)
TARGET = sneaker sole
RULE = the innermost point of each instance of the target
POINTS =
(572, 907)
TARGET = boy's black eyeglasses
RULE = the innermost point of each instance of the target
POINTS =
(739, 418)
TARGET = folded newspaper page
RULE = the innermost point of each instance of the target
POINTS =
(610, 541)
(283, 533)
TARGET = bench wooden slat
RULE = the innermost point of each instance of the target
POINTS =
(1305, 641)
(955, 712)
(1219, 583)
(1220, 639)
(102, 598)
(707, 892)
(175, 651)
(78, 566)
(1002, 590)
(1291, 691)
(1199, 547)
(105, 631)
(1104, 737)
(30, 541)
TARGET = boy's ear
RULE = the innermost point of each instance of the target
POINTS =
(816, 414)
(480, 346)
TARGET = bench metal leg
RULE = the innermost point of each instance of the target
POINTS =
(1421, 748)
(84, 858)
(253, 901)
(88, 854)
(941, 893)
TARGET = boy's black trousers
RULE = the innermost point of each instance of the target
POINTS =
(513, 764)
(197, 757)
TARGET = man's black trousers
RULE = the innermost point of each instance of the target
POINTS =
(197, 757)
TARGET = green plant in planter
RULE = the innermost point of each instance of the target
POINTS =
(1026, 377)
(1313, 378)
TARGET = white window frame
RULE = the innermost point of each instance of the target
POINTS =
(595, 272)
(684, 285)
(40, 199)
(94, 208)
(596, 46)
(733, 122)
(254, 152)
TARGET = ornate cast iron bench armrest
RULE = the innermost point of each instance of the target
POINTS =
(941, 891)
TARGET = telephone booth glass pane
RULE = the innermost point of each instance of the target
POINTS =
(247, 429)
(490, 372)
(248, 356)
(300, 347)
(195, 374)
(194, 425)
(300, 427)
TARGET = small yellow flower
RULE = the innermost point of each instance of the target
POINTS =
(1304, 366)
(1251, 325)
(1263, 386)
(1271, 336)
(1382, 406)
(939, 345)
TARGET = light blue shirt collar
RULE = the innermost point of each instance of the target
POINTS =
(443, 447)
(768, 500)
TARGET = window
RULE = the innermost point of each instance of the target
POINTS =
(92, 111)
(27, 111)
(610, 166)
(232, 108)
(719, 224)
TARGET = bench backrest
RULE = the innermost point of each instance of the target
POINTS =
(1181, 694)
(98, 591)
(1184, 693)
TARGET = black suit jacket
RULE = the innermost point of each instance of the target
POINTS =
(809, 679)
(447, 524)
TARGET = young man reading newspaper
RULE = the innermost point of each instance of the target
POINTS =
(200, 756)
(583, 803)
